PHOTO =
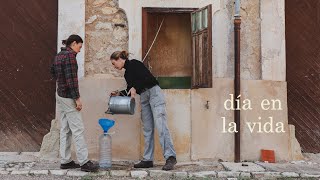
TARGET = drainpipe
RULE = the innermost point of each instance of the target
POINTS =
(237, 24)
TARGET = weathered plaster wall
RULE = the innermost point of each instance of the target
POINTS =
(106, 32)
(273, 42)
(223, 40)
(208, 139)
(71, 20)
(252, 143)
(179, 122)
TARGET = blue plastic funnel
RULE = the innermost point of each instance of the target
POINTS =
(106, 124)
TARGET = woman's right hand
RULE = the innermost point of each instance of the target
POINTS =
(115, 93)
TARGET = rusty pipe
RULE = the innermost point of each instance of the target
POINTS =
(237, 30)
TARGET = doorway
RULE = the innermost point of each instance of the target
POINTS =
(303, 71)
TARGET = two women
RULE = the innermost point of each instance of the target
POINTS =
(141, 81)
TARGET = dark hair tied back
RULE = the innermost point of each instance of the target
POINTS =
(72, 38)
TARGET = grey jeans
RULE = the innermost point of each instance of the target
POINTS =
(71, 124)
(153, 113)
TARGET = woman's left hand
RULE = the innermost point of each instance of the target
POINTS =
(132, 92)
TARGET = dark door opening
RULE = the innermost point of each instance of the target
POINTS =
(28, 38)
(303, 71)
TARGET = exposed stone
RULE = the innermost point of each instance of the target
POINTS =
(290, 174)
(260, 175)
(203, 174)
(160, 173)
(101, 25)
(119, 33)
(118, 20)
(181, 174)
(58, 172)
(225, 174)
(39, 172)
(51, 142)
(139, 174)
(109, 10)
(19, 172)
(2, 169)
(91, 19)
(98, 3)
(119, 173)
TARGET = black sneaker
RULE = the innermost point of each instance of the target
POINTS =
(170, 162)
(89, 167)
(70, 165)
(144, 164)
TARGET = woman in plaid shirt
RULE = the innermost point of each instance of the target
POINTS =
(65, 71)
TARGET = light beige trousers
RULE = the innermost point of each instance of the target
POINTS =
(71, 125)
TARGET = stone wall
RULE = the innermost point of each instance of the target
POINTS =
(106, 32)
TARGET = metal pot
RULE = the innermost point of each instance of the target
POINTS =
(121, 105)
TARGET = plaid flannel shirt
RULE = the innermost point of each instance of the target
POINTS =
(65, 70)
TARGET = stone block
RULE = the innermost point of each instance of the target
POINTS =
(139, 174)
(39, 172)
(77, 173)
(119, 173)
(160, 173)
(58, 172)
